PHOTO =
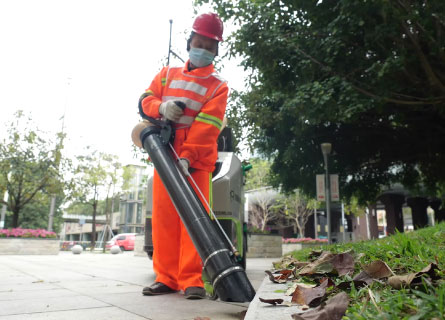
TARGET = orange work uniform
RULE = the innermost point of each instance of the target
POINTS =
(175, 260)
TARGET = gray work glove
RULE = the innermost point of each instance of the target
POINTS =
(184, 164)
(170, 110)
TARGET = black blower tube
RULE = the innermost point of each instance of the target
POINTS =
(228, 278)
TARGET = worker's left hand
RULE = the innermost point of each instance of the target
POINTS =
(184, 165)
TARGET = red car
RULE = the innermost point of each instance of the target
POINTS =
(124, 240)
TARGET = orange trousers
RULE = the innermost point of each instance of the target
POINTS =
(175, 260)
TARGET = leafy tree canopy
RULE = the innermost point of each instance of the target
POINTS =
(259, 175)
(31, 168)
(367, 76)
(35, 213)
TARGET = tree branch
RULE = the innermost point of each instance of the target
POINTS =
(434, 81)
(366, 92)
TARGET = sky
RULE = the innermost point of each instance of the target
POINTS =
(89, 61)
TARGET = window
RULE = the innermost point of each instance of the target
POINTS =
(123, 206)
(139, 213)
(139, 230)
(130, 212)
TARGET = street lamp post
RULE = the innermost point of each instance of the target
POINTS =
(326, 150)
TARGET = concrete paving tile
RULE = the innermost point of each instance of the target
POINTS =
(41, 294)
(8, 279)
(107, 289)
(48, 305)
(102, 282)
(263, 311)
(92, 283)
(175, 306)
(105, 313)
(36, 286)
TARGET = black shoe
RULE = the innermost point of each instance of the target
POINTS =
(157, 288)
(195, 293)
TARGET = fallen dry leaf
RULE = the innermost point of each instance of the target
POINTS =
(289, 262)
(333, 309)
(315, 254)
(345, 285)
(397, 282)
(322, 265)
(310, 296)
(275, 279)
(285, 274)
(330, 282)
(294, 285)
(375, 270)
(430, 270)
(363, 277)
(411, 279)
(272, 301)
(343, 263)
(378, 270)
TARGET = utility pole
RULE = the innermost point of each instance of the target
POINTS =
(315, 223)
(51, 213)
(343, 221)
(57, 161)
(326, 150)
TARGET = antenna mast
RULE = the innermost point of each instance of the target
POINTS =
(169, 42)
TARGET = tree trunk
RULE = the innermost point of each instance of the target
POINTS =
(302, 231)
(107, 223)
(93, 232)
(15, 218)
(295, 227)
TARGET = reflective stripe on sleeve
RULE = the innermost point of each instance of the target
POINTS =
(190, 103)
(207, 118)
(189, 86)
(145, 95)
(163, 81)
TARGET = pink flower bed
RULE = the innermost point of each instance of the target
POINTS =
(304, 240)
(26, 233)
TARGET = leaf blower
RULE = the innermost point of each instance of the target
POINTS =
(228, 278)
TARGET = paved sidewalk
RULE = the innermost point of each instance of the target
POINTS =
(101, 286)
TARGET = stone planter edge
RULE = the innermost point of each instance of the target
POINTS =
(29, 246)
(289, 247)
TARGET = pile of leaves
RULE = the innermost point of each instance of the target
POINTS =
(26, 233)
(399, 277)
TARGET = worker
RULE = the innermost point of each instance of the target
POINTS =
(204, 93)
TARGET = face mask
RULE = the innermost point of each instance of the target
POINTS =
(200, 57)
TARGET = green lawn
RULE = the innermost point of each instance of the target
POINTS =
(403, 253)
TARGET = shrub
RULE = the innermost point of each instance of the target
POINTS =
(253, 229)
(26, 233)
(304, 240)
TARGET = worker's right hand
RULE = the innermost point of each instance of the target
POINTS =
(171, 110)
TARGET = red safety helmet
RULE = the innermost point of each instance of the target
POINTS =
(209, 25)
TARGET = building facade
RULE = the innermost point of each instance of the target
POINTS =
(133, 202)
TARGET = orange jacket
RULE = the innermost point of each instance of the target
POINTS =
(205, 96)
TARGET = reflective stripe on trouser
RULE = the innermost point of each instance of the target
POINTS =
(175, 260)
